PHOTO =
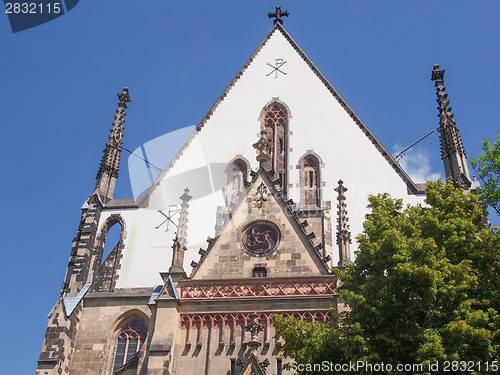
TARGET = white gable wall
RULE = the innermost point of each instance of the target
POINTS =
(318, 123)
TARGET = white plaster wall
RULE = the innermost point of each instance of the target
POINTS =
(318, 123)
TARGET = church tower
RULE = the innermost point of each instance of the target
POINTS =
(84, 267)
(275, 182)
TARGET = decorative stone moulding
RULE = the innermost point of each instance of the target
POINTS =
(249, 289)
(188, 321)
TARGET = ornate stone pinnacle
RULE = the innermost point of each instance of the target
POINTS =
(124, 98)
(263, 145)
(343, 233)
(452, 149)
(110, 162)
(182, 231)
(254, 328)
(437, 75)
(341, 189)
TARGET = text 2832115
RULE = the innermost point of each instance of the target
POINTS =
(32, 8)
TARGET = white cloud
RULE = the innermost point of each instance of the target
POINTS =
(416, 162)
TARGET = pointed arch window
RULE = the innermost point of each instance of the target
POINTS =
(311, 181)
(237, 176)
(109, 253)
(129, 342)
(111, 239)
(276, 125)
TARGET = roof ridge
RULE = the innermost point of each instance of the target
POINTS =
(412, 186)
(212, 110)
(395, 165)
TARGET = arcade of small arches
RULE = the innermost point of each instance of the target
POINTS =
(192, 324)
(132, 331)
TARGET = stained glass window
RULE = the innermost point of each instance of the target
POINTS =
(260, 238)
(130, 341)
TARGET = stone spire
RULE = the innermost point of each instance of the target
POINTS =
(182, 229)
(343, 234)
(452, 149)
(108, 171)
(179, 246)
(263, 145)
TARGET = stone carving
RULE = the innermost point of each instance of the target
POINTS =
(258, 289)
(262, 191)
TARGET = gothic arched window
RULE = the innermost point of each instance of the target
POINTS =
(237, 175)
(311, 181)
(276, 125)
(130, 341)
(111, 238)
(108, 253)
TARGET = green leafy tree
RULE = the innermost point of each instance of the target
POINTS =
(488, 165)
(424, 289)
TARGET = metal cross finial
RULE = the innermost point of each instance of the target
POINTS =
(278, 14)
(172, 210)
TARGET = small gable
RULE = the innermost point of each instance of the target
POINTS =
(254, 367)
(261, 238)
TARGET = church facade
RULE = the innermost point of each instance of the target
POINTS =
(260, 209)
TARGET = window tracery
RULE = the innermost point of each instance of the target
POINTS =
(237, 176)
(129, 342)
(311, 181)
(276, 126)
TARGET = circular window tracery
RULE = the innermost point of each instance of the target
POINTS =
(261, 238)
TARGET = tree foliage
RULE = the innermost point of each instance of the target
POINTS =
(425, 288)
(488, 164)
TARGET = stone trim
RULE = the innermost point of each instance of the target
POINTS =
(189, 320)
(261, 287)
(126, 317)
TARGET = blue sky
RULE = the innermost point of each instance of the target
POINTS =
(58, 97)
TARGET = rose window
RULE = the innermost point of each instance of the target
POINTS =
(260, 238)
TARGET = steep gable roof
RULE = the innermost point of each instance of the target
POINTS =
(412, 187)
(227, 257)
